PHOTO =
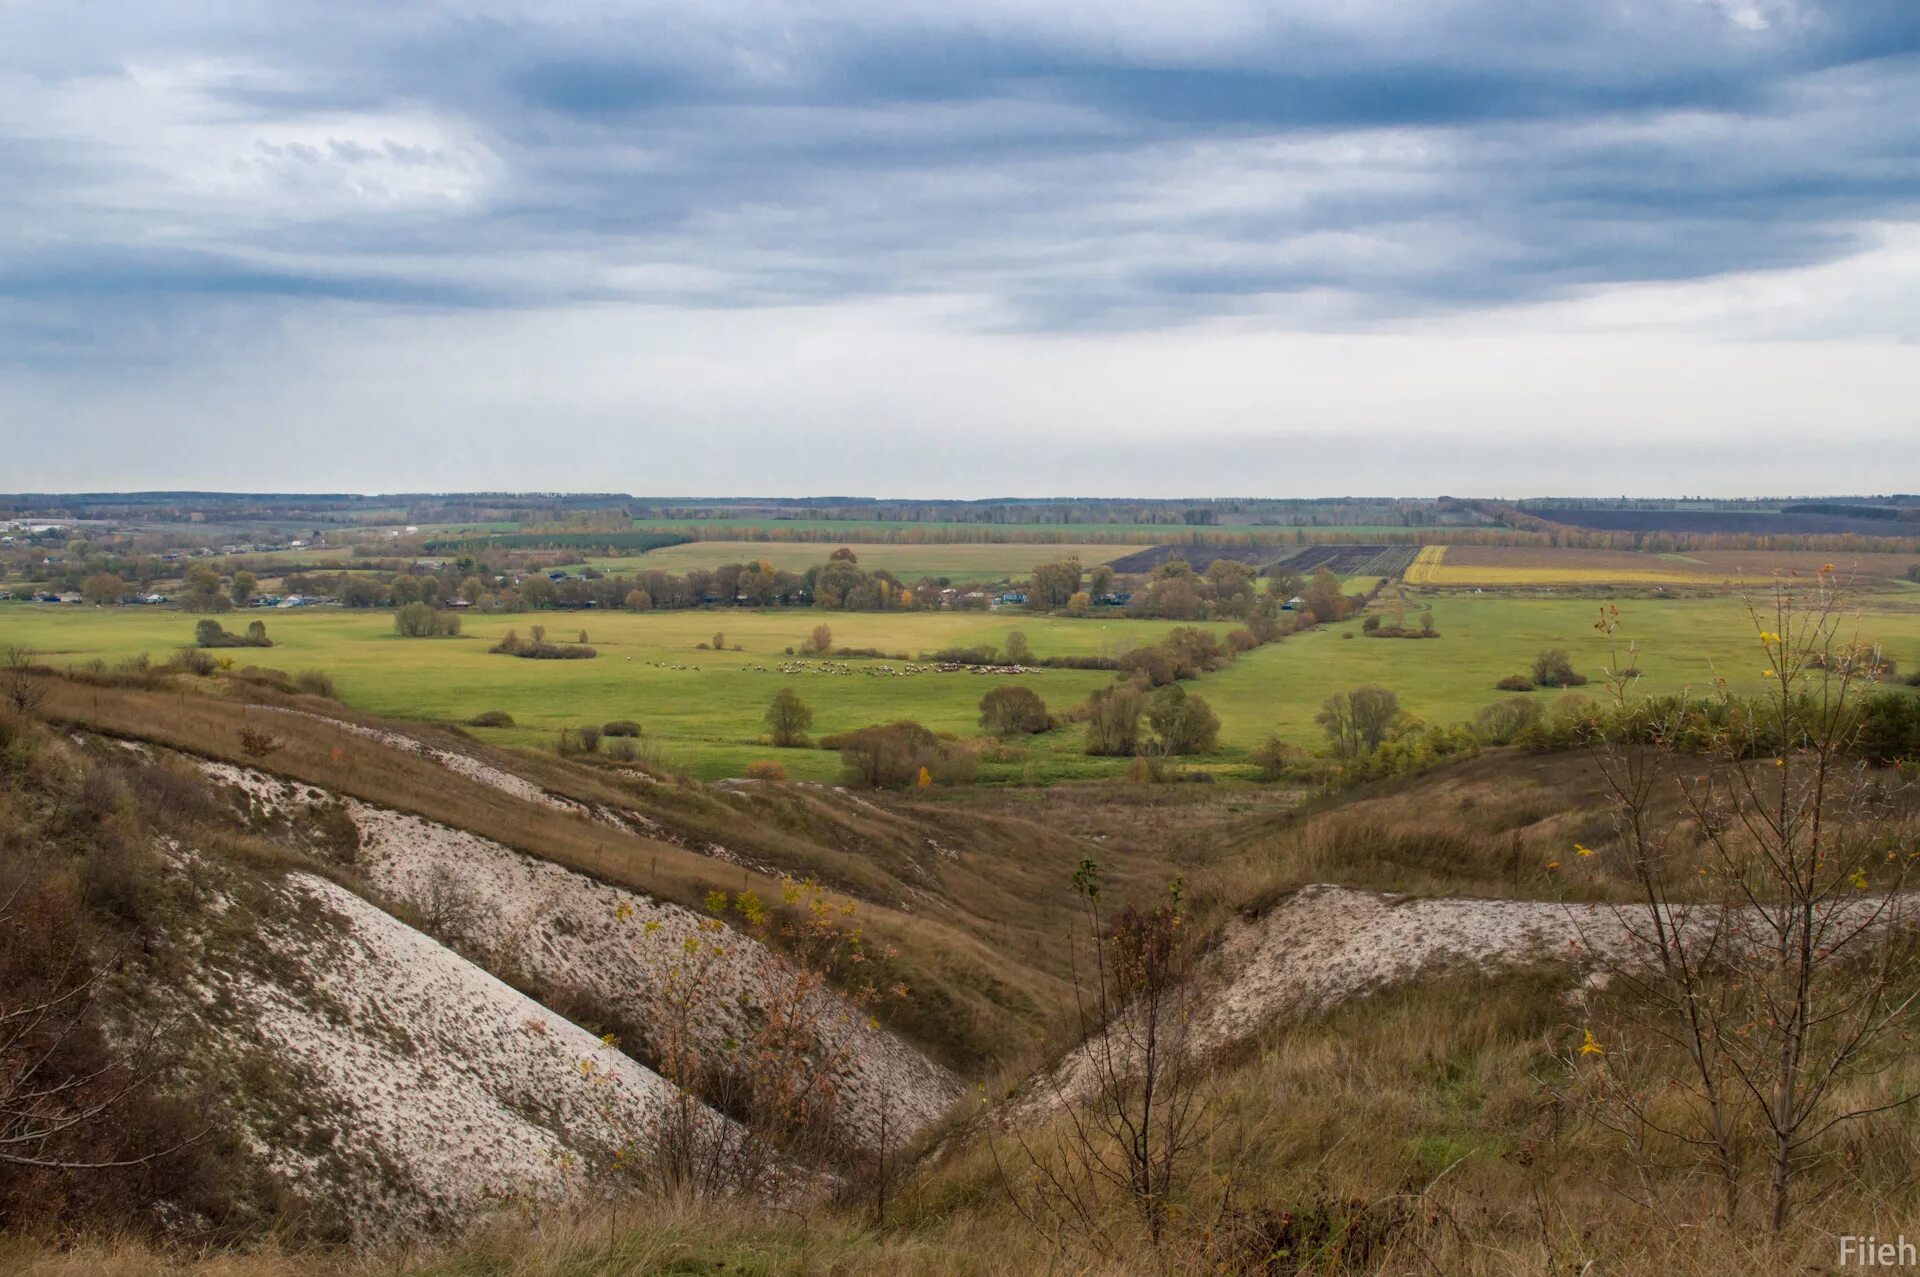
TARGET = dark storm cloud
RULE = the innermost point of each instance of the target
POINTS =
(1390, 160)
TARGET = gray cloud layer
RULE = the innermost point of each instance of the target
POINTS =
(182, 188)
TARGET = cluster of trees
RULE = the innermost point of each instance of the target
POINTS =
(1551, 667)
(104, 588)
(839, 584)
(1064, 585)
(537, 648)
(1014, 711)
(1186, 652)
(891, 755)
(1394, 625)
(1230, 589)
(1128, 718)
(210, 633)
(423, 620)
(203, 590)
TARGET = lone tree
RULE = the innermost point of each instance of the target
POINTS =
(23, 689)
(1358, 721)
(103, 587)
(820, 641)
(886, 755)
(423, 620)
(1113, 720)
(788, 718)
(1054, 584)
(1771, 983)
(1013, 711)
(1324, 599)
(1182, 721)
(1139, 1117)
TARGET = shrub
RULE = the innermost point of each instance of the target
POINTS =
(316, 683)
(491, 718)
(1554, 668)
(190, 660)
(1156, 664)
(1016, 651)
(788, 718)
(423, 620)
(539, 649)
(820, 642)
(1113, 720)
(765, 769)
(1515, 683)
(1277, 759)
(257, 744)
(620, 727)
(1013, 711)
(1195, 651)
(1086, 662)
(1889, 727)
(1502, 722)
(1183, 722)
(577, 740)
(886, 755)
(956, 767)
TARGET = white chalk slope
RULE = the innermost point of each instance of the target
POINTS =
(417, 1090)
(564, 929)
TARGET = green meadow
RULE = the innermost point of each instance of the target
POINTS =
(704, 707)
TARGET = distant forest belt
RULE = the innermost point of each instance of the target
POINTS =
(827, 532)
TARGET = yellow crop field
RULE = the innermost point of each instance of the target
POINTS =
(1545, 566)
(1426, 564)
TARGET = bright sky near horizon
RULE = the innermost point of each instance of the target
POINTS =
(905, 248)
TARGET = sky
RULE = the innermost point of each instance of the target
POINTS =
(905, 248)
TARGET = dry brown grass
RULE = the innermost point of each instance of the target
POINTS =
(1418, 1120)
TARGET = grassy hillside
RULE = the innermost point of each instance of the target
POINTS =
(1417, 1117)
